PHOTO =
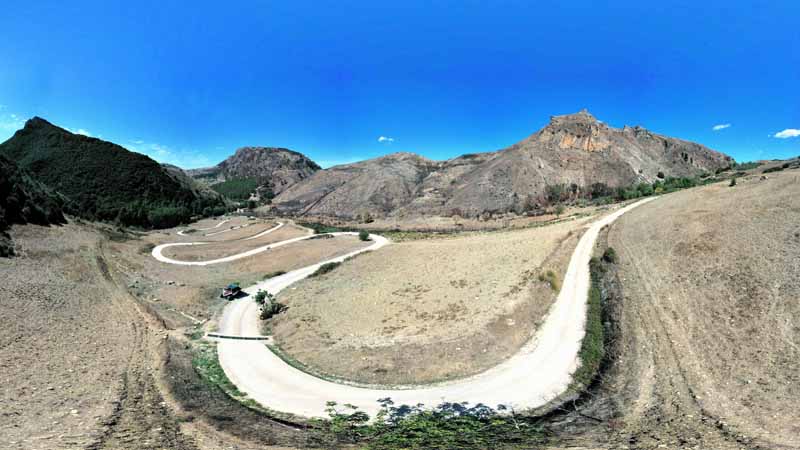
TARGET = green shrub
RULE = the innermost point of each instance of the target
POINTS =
(559, 210)
(610, 255)
(271, 308)
(733, 182)
(363, 235)
(263, 296)
(325, 268)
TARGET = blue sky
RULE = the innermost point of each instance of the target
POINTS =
(188, 83)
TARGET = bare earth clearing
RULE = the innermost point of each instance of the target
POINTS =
(422, 311)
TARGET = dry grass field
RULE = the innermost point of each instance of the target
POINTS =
(709, 344)
(427, 310)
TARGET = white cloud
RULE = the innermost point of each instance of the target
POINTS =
(787, 133)
(9, 123)
(385, 139)
(186, 159)
(721, 126)
(82, 131)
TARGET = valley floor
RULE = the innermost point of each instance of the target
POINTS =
(97, 346)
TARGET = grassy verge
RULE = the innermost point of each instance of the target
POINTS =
(205, 362)
(592, 349)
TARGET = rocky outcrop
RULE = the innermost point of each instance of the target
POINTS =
(275, 168)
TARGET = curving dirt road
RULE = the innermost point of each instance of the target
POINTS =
(539, 372)
(157, 251)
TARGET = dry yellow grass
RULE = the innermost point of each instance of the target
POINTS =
(420, 311)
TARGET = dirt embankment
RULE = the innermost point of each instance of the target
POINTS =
(74, 360)
(423, 311)
(709, 322)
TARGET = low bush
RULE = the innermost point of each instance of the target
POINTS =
(363, 235)
(733, 182)
(325, 268)
(551, 278)
(271, 308)
(277, 273)
(610, 255)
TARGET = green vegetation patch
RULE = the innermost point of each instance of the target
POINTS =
(447, 426)
(238, 189)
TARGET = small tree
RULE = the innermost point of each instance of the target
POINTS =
(733, 182)
(363, 235)
(559, 210)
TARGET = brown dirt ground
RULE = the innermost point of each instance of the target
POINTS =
(227, 247)
(86, 365)
(709, 342)
(422, 311)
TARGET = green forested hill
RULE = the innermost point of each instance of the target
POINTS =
(103, 181)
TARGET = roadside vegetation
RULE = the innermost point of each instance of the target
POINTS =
(447, 426)
(325, 268)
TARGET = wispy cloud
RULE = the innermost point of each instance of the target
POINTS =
(787, 133)
(186, 159)
(385, 139)
(721, 126)
(80, 131)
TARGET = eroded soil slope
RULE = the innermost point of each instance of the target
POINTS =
(421, 311)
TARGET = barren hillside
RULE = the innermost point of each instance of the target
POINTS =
(574, 149)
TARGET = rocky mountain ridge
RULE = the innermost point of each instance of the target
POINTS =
(575, 150)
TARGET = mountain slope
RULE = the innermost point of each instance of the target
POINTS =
(23, 200)
(103, 181)
(574, 149)
(274, 169)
